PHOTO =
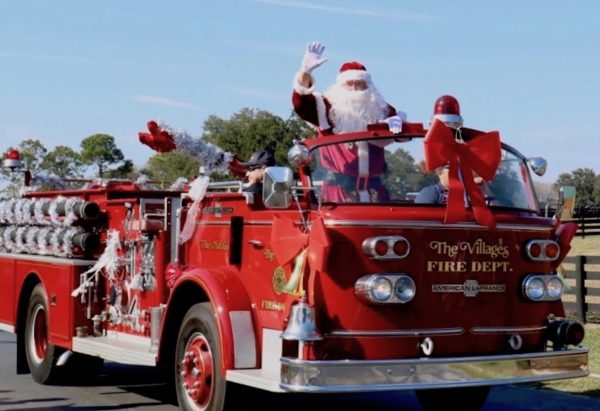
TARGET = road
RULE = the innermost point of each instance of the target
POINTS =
(140, 388)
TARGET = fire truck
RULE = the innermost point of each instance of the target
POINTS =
(330, 280)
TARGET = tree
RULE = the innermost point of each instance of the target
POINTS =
(32, 152)
(546, 194)
(64, 162)
(584, 180)
(125, 170)
(170, 166)
(404, 175)
(101, 150)
(250, 130)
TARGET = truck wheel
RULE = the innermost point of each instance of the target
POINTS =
(199, 383)
(41, 355)
(464, 399)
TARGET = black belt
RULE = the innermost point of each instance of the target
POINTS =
(352, 183)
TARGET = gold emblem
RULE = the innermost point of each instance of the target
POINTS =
(269, 254)
(279, 280)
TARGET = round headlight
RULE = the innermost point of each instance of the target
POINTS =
(405, 289)
(535, 288)
(381, 289)
(554, 288)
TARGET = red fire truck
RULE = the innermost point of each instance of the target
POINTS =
(330, 280)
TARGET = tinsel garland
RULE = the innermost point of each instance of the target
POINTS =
(107, 263)
(46, 240)
(43, 236)
(179, 184)
(41, 211)
(38, 210)
(213, 158)
(43, 178)
(196, 193)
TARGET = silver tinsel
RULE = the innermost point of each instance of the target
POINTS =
(214, 159)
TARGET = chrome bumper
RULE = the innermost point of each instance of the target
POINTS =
(425, 373)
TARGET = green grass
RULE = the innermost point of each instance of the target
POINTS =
(589, 245)
(589, 386)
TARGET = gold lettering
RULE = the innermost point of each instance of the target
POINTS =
(490, 266)
(447, 266)
(478, 247)
(218, 245)
(272, 305)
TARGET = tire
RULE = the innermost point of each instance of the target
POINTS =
(198, 380)
(41, 355)
(464, 399)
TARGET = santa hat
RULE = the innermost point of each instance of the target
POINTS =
(353, 70)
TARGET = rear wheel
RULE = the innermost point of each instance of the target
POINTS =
(464, 399)
(199, 383)
(41, 355)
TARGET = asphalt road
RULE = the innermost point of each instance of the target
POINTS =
(140, 388)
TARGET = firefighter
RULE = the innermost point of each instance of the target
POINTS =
(255, 166)
(436, 193)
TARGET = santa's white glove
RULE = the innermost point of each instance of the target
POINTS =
(312, 57)
(395, 122)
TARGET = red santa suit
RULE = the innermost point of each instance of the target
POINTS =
(354, 169)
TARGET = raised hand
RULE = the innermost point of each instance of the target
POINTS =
(312, 57)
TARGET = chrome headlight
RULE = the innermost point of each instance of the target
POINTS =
(404, 289)
(554, 288)
(381, 289)
(385, 288)
(543, 287)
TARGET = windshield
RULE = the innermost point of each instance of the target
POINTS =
(389, 171)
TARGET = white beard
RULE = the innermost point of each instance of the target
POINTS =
(352, 110)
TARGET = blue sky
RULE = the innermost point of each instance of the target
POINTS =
(72, 68)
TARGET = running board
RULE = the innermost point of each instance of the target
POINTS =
(264, 379)
(117, 347)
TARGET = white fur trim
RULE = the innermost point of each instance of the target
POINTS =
(299, 88)
(344, 76)
(321, 112)
(363, 158)
(363, 171)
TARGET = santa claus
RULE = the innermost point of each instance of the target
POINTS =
(349, 105)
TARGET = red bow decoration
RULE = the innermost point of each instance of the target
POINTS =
(288, 240)
(158, 139)
(480, 155)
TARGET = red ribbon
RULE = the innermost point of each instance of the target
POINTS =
(158, 140)
(480, 155)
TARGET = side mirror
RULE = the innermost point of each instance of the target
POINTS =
(538, 165)
(277, 184)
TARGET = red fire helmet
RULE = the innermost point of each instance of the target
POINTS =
(447, 109)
